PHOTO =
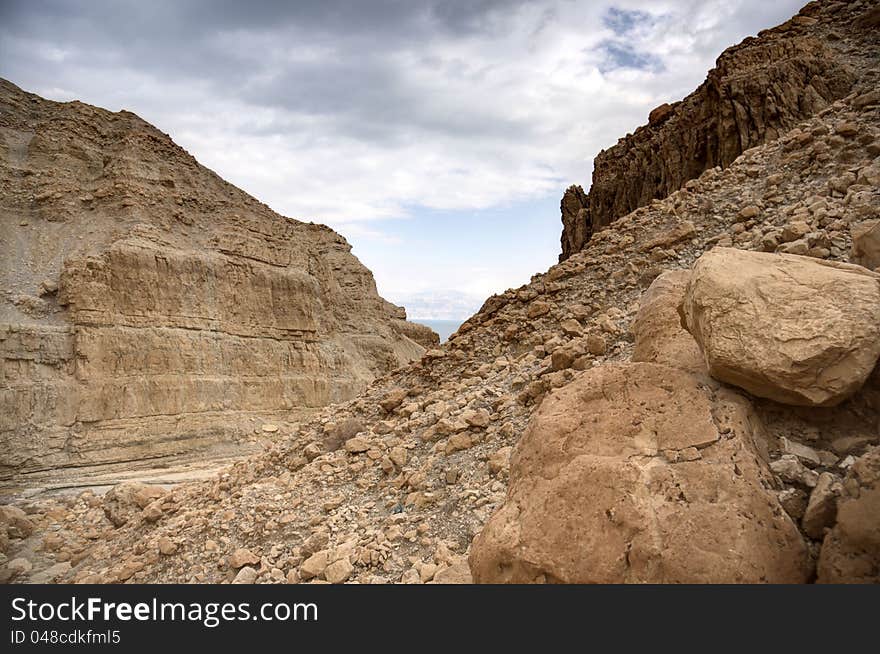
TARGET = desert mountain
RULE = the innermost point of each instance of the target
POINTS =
(152, 310)
(757, 91)
(692, 395)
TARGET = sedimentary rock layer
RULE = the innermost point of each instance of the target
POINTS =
(150, 308)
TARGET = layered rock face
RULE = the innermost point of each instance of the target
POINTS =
(757, 91)
(151, 309)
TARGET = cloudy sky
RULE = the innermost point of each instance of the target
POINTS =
(437, 136)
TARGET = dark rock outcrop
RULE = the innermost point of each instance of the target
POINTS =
(757, 91)
(576, 224)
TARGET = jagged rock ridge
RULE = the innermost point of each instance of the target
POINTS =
(757, 91)
(151, 309)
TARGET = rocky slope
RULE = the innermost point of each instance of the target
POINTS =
(150, 310)
(572, 430)
(757, 91)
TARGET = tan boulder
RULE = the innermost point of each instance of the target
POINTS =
(356, 445)
(594, 497)
(659, 336)
(339, 571)
(242, 557)
(315, 565)
(851, 550)
(457, 573)
(792, 329)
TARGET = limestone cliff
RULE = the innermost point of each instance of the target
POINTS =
(151, 308)
(757, 91)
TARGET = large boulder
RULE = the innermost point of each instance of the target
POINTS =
(659, 336)
(792, 329)
(851, 550)
(640, 473)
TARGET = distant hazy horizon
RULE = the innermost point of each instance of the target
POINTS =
(444, 328)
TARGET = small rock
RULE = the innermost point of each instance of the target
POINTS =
(562, 358)
(167, 546)
(479, 418)
(458, 573)
(794, 501)
(821, 510)
(315, 543)
(795, 230)
(247, 575)
(537, 309)
(596, 345)
(500, 460)
(799, 247)
(356, 445)
(846, 129)
(411, 576)
(790, 469)
(571, 327)
(15, 522)
(314, 566)
(458, 442)
(427, 571)
(393, 399)
(398, 456)
(242, 557)
(805, 454)
(749, 212)
(338, 571)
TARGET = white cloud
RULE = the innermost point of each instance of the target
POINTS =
(447, 107)
(517, 108)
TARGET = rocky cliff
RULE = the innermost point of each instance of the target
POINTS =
(633, 414)
(150, 309)
(757, 91)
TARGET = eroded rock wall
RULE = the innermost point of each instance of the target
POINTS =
(151, 309)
